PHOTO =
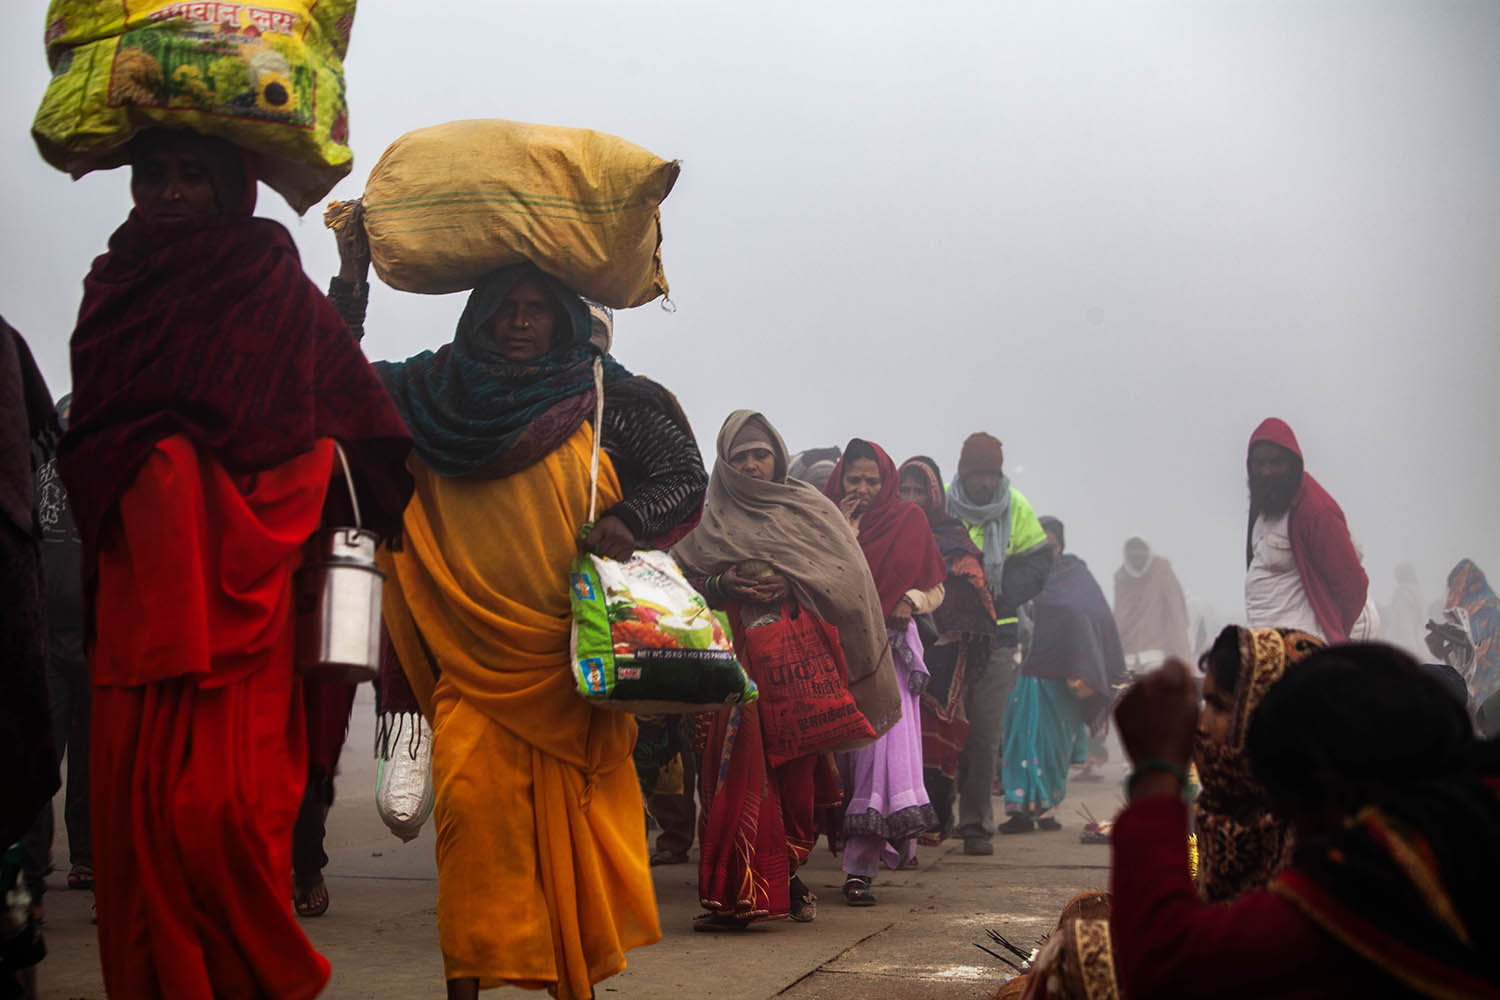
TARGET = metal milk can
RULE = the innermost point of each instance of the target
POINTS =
(337, 594)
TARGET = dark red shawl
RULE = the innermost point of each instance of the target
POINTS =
(211, 329)
(894, 534)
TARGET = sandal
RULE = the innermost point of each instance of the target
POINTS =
(710, 923)
(81, 877)
(932, 838)
(311, 901)
(668, 858)
(857, 891)
(804, 908)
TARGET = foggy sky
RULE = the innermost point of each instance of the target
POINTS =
(1116, 235)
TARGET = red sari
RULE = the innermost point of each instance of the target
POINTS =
(758, 822)
(199, 749)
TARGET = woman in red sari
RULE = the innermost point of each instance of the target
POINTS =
(210, 380)
(771, 548)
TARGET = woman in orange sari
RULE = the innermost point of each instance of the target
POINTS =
(543, 879)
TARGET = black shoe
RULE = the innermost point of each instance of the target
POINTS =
(1049, 824)
(1019, 823)
(857, 891)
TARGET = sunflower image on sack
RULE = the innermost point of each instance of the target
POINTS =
(645, 641)
(267, 76)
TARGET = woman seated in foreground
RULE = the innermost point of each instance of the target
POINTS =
(1241, 842)
(1395, 810)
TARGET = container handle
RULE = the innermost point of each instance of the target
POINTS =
(349, 482)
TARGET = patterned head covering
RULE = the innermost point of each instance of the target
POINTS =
(1076, 963)
(1240, 844)
(1265, 655)
(1469, 590)
(474, 413)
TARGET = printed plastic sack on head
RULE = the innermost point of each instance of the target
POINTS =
(448, 204)
(267, 76)
(645, 641)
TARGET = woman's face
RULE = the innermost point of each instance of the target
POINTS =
(172, 182)
(862, 479)
(757, 463)
(1216, 718)
(914, 488)
(523, 327)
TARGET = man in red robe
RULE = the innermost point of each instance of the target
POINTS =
(1302, 569)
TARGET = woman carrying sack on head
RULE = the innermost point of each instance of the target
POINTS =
(779, 556)
(543, 879)
(211, 380)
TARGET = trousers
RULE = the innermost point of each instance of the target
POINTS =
(984, 703)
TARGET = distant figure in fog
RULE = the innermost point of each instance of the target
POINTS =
(1470, 592)
(1403, 619)
(1150, 610)
(1303, 571)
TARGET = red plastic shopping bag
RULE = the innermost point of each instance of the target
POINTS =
(805, 704)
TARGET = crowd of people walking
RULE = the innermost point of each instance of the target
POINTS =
(967, 655)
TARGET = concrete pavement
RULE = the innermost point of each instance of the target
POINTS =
(380, 932)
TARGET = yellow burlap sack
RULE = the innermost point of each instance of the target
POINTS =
(449, 204)
(268, 76)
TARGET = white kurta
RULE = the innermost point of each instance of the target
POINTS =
(1274, 597)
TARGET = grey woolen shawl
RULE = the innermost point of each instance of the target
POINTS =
(795, 528)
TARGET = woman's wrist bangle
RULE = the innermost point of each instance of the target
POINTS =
(1145, 767)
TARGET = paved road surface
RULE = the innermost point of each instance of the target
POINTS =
(380, 932)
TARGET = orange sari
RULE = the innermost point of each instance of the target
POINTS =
(543, 879)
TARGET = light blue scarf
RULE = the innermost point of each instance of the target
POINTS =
(994, 517)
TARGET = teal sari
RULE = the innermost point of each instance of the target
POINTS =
(1044, 735)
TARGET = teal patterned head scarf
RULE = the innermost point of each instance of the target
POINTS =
(473, 413)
